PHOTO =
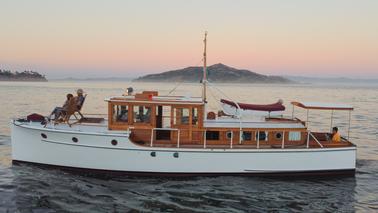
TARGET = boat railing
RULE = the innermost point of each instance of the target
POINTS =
(232, 139)
(169, 129)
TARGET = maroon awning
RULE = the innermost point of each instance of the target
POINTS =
(258, 107)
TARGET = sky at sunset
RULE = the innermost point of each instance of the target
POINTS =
(90, 38)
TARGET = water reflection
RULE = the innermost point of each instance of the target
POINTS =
(45, 189)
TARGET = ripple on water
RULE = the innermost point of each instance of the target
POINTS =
(25, 188)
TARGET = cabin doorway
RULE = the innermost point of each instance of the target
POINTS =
(163, 120)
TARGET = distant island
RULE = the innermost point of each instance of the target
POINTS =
(7, 75)
(218, 73)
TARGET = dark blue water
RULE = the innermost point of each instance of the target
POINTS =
(27, 188)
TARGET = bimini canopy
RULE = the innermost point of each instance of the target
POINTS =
(257, 107)
(322, 106)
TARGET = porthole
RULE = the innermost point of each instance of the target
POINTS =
(74, 139)
(229, 135)
(43, 135)
(114, 142)
(278, 135)
(176, 154)
(153, 154)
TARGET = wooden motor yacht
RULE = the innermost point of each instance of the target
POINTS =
(146, 133)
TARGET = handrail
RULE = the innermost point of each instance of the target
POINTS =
(204, 139)
(257, 138)
(316, 139)
(174, 129)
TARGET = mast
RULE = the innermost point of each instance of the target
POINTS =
(204, 78)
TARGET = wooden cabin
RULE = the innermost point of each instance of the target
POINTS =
(178, 121)
(165, 119)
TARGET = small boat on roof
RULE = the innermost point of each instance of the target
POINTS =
(146, 133)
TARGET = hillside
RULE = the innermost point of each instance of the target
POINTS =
(219, 73)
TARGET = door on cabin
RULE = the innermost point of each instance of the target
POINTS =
(163, 120)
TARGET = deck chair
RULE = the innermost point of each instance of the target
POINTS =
(79, 107)
(72, 110)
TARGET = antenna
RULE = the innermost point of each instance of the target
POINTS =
(204, 78)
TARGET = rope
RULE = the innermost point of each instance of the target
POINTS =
(181, 81)
(174, 88)
(217, 100)
(220, 91)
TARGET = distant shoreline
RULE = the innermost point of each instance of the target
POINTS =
(23, 80)
(28, 76)
(294, 79)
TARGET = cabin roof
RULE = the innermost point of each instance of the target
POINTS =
(322, 106)
(157, 100)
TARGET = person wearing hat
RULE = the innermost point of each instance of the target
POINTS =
(79, 99)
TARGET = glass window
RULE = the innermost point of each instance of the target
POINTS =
(212, 135)
(181, 116)
(262, 136)
(278, 135)
(247, 136)
(195, 116)
(120, 113)
(294, 136)
(229, 134)
(142, 114)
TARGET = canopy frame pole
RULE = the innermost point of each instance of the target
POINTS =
(307, 121)
(292, 112)
(232, 135)
(331, 120)
(350, 118)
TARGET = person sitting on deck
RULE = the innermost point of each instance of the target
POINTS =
(60, 111)
(335, 135)
(79, 99)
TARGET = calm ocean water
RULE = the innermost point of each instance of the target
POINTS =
(25, 188)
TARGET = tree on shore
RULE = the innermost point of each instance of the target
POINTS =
(25, 75)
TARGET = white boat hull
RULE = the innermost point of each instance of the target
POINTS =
(95, 151)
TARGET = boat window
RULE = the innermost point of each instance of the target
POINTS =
(142, 114)
(246, 136)
(181, 116)
(262, 136)
(167, 116)
(120, 113)
(294, 136)
(278, 135)
(229, 135)
(212, 135)
(195, 116)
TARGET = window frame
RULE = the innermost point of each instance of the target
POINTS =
(114, 121)
(152, 114)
